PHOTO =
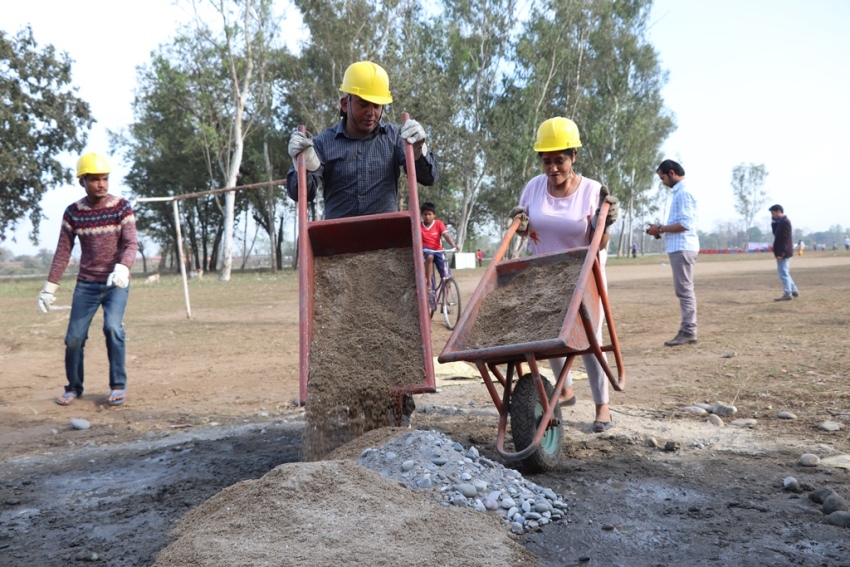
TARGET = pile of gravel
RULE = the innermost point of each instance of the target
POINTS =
(432, 461)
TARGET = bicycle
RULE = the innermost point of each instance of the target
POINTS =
(444, 296)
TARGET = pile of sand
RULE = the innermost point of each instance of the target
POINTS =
(336, 513)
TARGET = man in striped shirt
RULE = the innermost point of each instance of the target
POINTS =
(682, 245)
(358, 161)
(106, 227)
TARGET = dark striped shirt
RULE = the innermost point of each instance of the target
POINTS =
(359, 176)
(107, 237)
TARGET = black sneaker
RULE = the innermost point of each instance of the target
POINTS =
(795, 293)
(786, 297)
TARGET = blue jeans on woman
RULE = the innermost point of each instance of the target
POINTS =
(88, 296)
(783, 269)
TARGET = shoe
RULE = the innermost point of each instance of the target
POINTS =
(795, 294)
(786, 297)
(682, 339)
(66, 399)
(570, 402)
(600, 426)
(119, 395)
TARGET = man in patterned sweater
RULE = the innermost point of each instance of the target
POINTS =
(106, 227)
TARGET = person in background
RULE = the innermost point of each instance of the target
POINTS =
(634, 249)
(433, 233)
(800, 247)
(479, 255)
(561, 207)
(783, 250)
(682, 246)
(358, 161)
(106, 227)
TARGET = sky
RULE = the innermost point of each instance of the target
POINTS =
(749, 81)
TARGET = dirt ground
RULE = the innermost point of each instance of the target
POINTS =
(210, 405)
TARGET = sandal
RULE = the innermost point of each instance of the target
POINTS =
(118, 395)
(66, 399)
(600, 426)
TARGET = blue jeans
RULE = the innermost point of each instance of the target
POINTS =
(784, 271)
(88, 296)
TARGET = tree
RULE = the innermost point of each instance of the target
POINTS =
(750, 195)
(41, 117)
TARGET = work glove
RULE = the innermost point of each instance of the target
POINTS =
(605, 196)
(413, 132)
(45, 297)
(523, 225)
(120, 276)
(303, 142)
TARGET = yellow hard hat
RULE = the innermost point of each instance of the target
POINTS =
(92, 163)
(368, 81)
(557, 134)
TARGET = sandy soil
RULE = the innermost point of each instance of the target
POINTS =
(210, 405)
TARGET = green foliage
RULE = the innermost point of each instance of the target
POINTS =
(41, 117)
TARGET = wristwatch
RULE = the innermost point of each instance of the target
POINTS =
(659, 229)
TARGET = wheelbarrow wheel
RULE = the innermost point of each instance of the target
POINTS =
(526, 413)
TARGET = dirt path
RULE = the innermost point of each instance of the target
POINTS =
(209, 407)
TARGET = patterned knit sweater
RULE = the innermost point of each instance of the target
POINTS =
(107, 236)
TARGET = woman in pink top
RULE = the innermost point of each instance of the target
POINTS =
(561, 206)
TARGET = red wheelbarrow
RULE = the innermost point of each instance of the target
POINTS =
(363, 360)
(532, 402)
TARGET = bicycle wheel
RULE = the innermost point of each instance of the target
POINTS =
(451, 302)
(526, 412)
(432, 297)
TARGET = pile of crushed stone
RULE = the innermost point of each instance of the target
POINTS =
(432, 461)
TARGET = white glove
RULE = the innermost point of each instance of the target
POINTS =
(523, 225)
(120, 276)
(303, 142)
(45, 297)
(414, 133)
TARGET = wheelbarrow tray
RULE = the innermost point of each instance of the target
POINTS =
(571, 337)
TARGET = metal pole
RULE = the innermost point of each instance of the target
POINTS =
(182, 259)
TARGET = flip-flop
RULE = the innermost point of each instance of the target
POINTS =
(600, 426)
(66, 399)
(119, 401)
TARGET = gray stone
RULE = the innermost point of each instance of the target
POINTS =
(507, 503)
(651, 442)
(722, 409)
(439, 461)
(834, 503)
(407, 465)
(715, 420)
(790, 483)
(786, 415)
(744, 422)
(841, 519)
(694, 410)
(821, 494)
(830, 426)
(809, 460)
(490, 504)
(467, 490)
(80, 424)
